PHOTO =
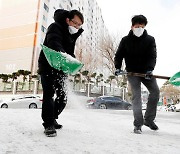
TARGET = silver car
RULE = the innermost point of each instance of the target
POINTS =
(25, 101)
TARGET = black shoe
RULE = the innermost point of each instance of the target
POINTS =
(50, 131)
(56, 125)
(151, 125)
(137, 130)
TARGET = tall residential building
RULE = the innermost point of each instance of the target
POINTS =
(18, 31)
(24, 24)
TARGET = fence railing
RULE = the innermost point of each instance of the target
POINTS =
(35, 87)
(14, 87)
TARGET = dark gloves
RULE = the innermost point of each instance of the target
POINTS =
(148, 75)
(119, 72)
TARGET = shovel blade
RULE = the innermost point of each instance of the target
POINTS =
(175, 79)
(62, 61)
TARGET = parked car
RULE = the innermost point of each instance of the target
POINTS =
(171, 107)
(108, 102)
(177, 107)
(26, 101)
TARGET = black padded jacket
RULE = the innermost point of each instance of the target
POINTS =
(139, 53)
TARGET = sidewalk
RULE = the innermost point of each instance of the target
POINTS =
(87, 132)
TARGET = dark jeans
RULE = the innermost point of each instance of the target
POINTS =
(151, 85)
(53, 83)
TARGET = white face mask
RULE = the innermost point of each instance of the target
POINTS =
(138, 31)
(72, 30)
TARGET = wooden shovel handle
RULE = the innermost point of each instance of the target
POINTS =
(143, 75)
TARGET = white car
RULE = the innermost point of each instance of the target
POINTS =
(26, 101)
(177, 107)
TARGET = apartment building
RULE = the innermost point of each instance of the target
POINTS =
(24, 24)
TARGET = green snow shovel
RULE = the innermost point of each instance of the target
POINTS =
(174, 80)
(62, 61)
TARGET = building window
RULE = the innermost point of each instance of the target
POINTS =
(46, 7)
(44, 18)
(70, 4)
(60, 6)
(43, 29)
(68, 7)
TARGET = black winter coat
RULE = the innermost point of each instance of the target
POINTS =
(58, 38)
(139, 53)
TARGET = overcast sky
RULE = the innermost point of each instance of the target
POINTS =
(163, 23)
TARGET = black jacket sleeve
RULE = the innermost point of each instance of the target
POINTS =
(76, 35)
(54, 37)
(151, 62)
(119, 55)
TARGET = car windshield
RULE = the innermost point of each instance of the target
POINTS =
(23, 97)
(29, 97)
(111, 98)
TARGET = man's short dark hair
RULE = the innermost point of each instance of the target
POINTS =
(139, 19)
(72, 13)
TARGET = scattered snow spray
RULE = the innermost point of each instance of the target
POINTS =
(75, 101)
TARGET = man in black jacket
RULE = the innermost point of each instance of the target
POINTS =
(138, 49)
(61, 36)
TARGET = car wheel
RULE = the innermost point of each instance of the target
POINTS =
(102, 106)
(4, 106)
(33, 106)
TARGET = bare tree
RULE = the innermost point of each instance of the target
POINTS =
(170, 91)
(98, 56)
(108, 47)
(87, 56)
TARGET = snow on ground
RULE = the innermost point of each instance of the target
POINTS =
(87, 131)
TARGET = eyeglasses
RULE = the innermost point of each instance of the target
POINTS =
(76, 23)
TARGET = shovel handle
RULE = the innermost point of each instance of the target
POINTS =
(143, 75)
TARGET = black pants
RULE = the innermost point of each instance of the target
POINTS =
(54, 96)
(151, 85)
